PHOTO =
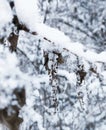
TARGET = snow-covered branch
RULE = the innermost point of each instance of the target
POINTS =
(27, 12)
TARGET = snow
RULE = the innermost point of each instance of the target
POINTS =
(8, 72)
(6, 13)
(71, 77)
(29, 15)
(52, 34)
(27, 12)
(94, 87)
(11, 77)
(81, 51)
(104, 78)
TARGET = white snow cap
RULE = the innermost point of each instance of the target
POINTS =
(52, 34)
(27, 12)
(6, 13)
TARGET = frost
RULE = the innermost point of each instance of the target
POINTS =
(64, 77)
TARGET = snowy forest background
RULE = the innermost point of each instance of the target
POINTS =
(53, 64)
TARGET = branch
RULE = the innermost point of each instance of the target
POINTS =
(75, 48)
